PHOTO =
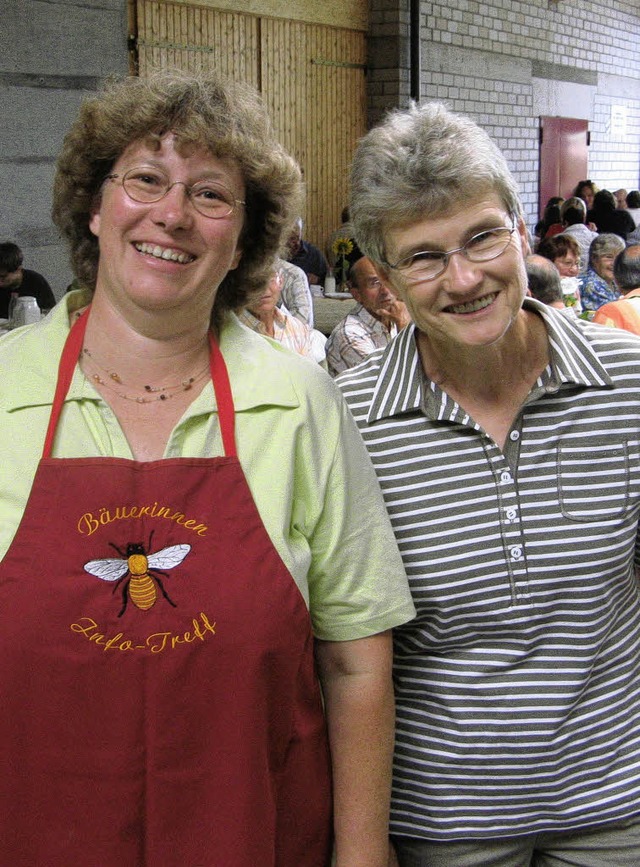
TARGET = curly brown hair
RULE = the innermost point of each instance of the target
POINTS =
(228, 119)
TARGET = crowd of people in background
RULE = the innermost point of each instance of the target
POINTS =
(582, 236)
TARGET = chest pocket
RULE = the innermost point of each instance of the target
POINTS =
(594, 485)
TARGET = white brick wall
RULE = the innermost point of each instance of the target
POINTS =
(484, 58)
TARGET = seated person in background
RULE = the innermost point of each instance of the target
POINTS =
(268, 319)
(624, 313)
(15, 278)
(306, 256)
(554, 223)
(621, 199)
(608, 218)
(296, 295)
(376, 319)
(633, 206)
(586, 190)
(573, 214)
(550, 223)
(564, 252)
(543, 281)
(597, 285)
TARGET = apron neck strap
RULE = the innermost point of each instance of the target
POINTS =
(224, 397)
(66, 367)
(71, 354)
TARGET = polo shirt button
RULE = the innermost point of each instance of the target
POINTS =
(516, 552)
(514, 435)
(511, 513)
(505, 476)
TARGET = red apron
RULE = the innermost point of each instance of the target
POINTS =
(160, 706)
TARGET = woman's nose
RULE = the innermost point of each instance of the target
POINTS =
(461, 273)
(174, 208)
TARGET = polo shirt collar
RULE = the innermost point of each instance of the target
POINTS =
(399, 384)
(363, 314)
(258, 376)
(37, 358)
(375, 326)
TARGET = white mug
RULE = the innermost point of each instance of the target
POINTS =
(329, 284)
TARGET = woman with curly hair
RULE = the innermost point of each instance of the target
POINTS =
(586, 191)
(182, 538)
(564, 252)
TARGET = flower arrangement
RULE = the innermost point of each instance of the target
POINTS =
(342, 247)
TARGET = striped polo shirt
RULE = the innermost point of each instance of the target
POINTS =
(518, 684)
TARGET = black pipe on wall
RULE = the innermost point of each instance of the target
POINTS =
(415, 59)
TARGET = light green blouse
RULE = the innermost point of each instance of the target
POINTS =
(302, 455)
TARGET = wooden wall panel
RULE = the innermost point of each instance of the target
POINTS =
(314, 83)
(312, 77)
(351, 14)
(194, 37)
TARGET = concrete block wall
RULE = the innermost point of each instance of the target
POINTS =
(51, 56)
(506, 62)
(388, 67)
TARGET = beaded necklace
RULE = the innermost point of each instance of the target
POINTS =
(159, 392)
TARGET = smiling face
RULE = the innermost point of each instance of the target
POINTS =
(603, 266)
(165, 255)
(568, 264)
(471, 303)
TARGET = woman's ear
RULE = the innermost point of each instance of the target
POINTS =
(524, 238)
(236, 258)
(94, 216)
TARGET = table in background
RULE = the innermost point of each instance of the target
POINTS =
(327, 312)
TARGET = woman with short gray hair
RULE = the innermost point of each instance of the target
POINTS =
(417, 163)
(597, 285)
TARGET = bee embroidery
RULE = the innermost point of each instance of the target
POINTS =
(140, 571)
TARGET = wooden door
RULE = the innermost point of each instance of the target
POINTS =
(312, 77)
(564, 156)
(194, 38)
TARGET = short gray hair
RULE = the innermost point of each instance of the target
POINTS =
(606, 244)
(419, 163)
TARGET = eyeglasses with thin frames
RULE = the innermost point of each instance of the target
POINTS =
(426, 265)
(146, 185)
